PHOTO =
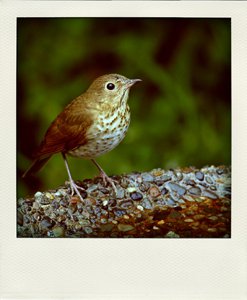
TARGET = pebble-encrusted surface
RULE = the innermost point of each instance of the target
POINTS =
(178, 203)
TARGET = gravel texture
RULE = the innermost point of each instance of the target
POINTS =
(178, 203)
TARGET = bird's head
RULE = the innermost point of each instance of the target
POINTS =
(111, 89)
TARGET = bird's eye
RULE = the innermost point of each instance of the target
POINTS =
(110, 86)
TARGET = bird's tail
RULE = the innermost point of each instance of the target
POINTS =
(36, 166)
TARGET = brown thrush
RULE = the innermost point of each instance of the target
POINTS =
(91, 125)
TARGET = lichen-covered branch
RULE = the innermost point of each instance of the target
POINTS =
(178, 203)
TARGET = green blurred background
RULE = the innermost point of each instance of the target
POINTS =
(181, 111)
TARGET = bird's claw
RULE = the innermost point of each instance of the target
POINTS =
(107, 179)
(75, 189)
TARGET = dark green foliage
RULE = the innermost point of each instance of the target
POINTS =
(181, 111)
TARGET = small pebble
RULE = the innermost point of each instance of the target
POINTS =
(136, 196)
(36, 205)
(161, 222)
(188, 220)
(159, 182)
(144, 186)
(37, 216)
(147, 177)
(46, 223)
(219, 171)
(154, 192)
(222, 229)
(84, 222)
(199, 199)
(125, 227)
(58, 231)
(55, 204)
(177, 188)
(92, 188)
(170, 202)
(226, 236)
(77, 227)
(223, 208)
(49, 196)
(196, 224)
(140, 207)
(97, 210)
(119, 212)
(58, 194)
(199, 175)
(199, 217)
(63, 192)
(157, 172)
(213, 218)
(120, 193)
(74, 218)
(126, 204)
(209, 180)
(188, 198)
(172, 234)
(112, 203)
(179, 176)
(146, 203)
(64, 202)
(49, 234)
(61, 218)
(131, 189)
(26, 219)
(212, 229)
(105, 202)
(209, 194)
(88, 230)
(20, 201)
(190, 182)
(37, 195)
(80, 207)
(175, 215)
(104, 191)
(139, 179)
(89, 201)
(195, 191)
(107, 227)
(104, 212)
(165, 177)
(164, 191)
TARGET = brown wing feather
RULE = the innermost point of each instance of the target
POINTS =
(67, 131)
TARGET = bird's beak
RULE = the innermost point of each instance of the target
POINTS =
(131, 82)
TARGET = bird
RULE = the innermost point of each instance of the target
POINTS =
(91, 125)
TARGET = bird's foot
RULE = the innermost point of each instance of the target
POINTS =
(107, 179)
(75, 189)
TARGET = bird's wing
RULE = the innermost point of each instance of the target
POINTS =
(67, 132)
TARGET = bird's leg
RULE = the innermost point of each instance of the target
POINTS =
(105, 177)
(74, 187)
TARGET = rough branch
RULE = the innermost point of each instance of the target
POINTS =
(178, 203)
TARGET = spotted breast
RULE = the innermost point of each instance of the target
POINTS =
(108, 130)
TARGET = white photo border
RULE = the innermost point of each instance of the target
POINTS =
(122, 268)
